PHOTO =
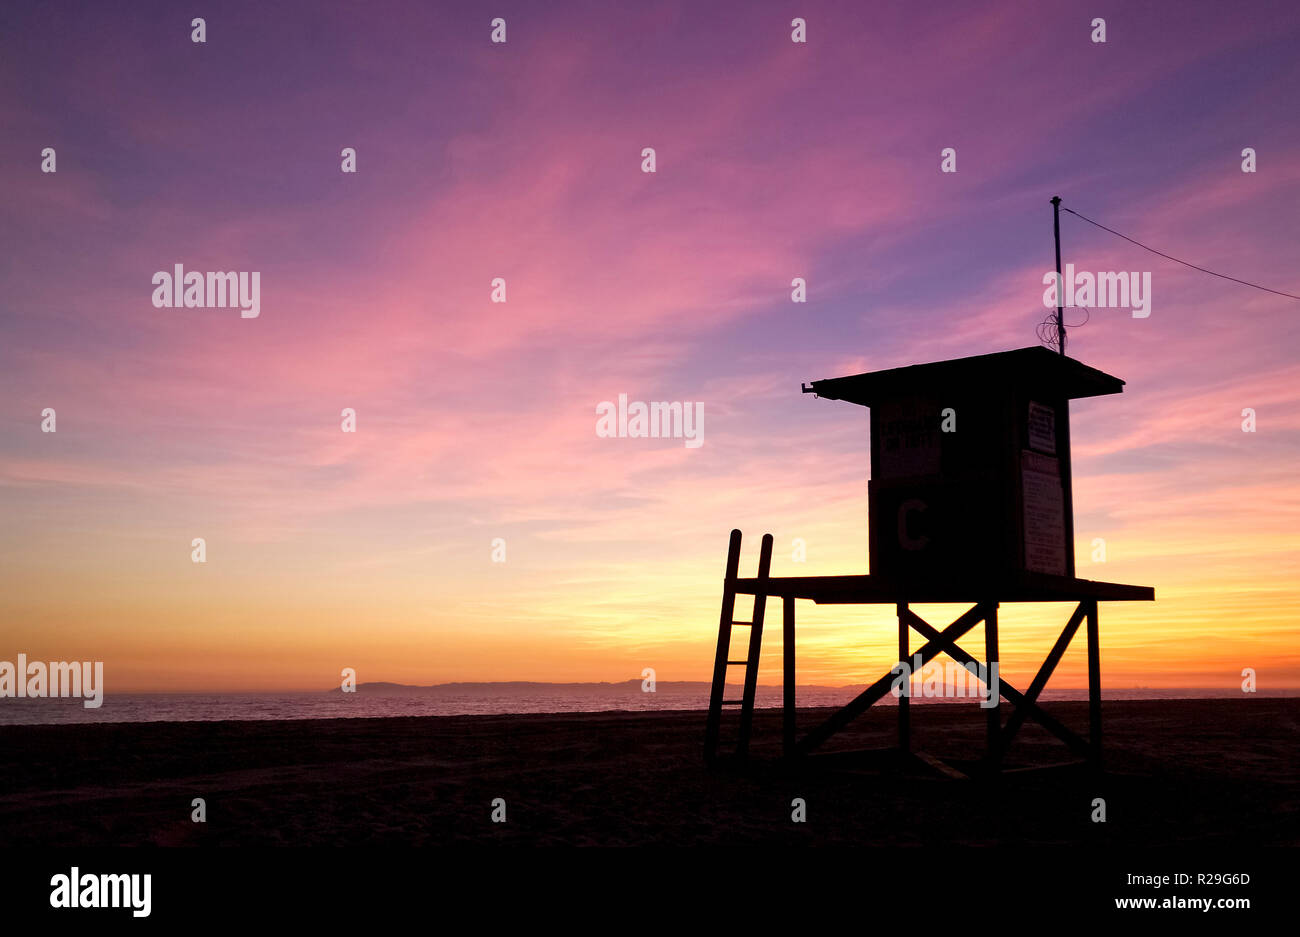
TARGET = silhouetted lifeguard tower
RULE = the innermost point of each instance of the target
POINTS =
(969, 501)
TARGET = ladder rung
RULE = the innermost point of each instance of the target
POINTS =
(736, 663)
(747, 624)
(733, 702)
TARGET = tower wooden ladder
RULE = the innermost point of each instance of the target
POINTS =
(721, 662)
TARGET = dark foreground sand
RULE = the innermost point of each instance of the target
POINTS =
(1203, 772)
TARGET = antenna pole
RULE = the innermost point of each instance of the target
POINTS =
(1060, 286)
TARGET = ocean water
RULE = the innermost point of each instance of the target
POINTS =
(467, 699)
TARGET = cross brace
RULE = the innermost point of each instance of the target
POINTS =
(945, 641)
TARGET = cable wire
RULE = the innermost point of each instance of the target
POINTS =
(1223, 276)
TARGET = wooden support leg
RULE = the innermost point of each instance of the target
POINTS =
(1094, 683)
(994, 713)
(787, 650)
(904, 701)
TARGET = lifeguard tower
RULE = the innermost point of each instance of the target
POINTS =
(969, 501)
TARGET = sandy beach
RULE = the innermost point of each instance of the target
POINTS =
(1196, 772)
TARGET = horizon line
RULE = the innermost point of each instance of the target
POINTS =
(1273, 691)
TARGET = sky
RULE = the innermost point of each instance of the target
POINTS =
(475, 420)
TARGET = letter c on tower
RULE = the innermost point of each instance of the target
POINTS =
(909, 542)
